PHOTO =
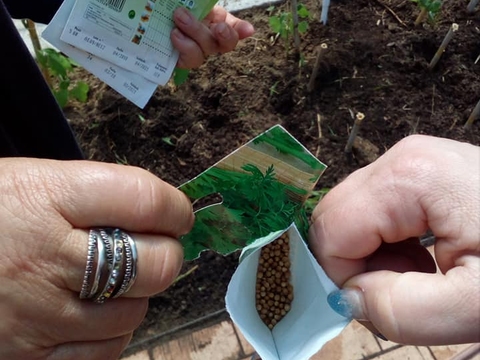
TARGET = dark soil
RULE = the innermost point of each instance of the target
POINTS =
(376, 63)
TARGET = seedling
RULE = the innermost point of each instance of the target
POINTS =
(474, 115)
(429, 9)
(284, 25)
(273, 88)
(453, 29)
(356, 126)
(60, 67)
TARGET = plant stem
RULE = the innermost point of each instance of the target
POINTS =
(443, 45)
(320, 51)
(184, 275)
(421, 17)
(474, 115)
(37, 47)
(356, 126)
(296, 36)
(471, 6)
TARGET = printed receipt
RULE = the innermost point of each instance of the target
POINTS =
(134, 87)
(125, 43)
(133, 34)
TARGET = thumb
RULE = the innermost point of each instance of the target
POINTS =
(414, 308)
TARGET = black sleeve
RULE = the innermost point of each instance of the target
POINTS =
(41, 11)
(31, 122)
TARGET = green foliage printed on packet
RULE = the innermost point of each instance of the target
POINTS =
(254, 202)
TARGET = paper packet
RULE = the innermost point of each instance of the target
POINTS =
(263, 187)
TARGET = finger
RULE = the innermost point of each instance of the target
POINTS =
(159, 261)
(72, 319)
(89, 194)
(190, 54)
(408, 255)
(412, 308)
(225, 36)
(218, 15)
(94, 350)
(362, 212)
(195, 30)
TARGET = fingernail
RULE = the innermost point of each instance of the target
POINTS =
(348, 303)
(183, 15)
(222, 30)
(178, 34)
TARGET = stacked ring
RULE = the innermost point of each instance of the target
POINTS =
(111, 265)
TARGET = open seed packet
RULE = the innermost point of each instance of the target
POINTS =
(278, 295)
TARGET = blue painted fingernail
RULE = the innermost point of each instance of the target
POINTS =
(348, 303)
(339, 304)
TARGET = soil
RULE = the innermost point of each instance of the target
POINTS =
(376, 63)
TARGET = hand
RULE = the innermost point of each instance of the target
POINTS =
(359, 237)
(219, 32)
(46, 209)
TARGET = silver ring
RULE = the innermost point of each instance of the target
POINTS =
(92, 251)
(130, 264)
(110, 270)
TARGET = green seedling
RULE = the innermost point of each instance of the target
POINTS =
(273, 88)
(283, 23)
(168, 140)
(429, 10)
(60, 67)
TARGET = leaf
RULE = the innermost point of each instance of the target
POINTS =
(302, 27)
(303, 11)
(80, 91)
(180, 76)
(58, 65)
(168, 140)
(275, 24)
(64, 84)
(42, 58)
(62, 97)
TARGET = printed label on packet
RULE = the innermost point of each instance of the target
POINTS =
(133, 34)
(132, 86)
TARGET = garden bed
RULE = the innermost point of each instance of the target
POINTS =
(376, 63)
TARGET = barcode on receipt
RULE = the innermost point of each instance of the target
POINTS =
(116, 5)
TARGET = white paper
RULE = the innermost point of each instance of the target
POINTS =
(308, 325)
(133, 34)
(134, 87)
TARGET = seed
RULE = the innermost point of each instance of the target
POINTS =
(274, 293)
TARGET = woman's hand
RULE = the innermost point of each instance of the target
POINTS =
(218, 33)
(46, 211)
(362, 236)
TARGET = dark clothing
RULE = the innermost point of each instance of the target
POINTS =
(31, 122)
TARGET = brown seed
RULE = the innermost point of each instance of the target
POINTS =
(274, 292)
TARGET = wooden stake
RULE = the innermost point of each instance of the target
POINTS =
(474, 115)
(356, 126)
(37, 47)
(320, 51)
(471, 6)
(443, 45)
(296, 36)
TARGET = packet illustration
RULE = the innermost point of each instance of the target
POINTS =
(278, 294)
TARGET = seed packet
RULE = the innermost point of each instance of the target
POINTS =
(278, 294)
(309, 322)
